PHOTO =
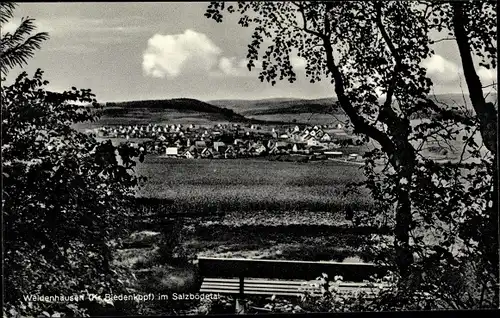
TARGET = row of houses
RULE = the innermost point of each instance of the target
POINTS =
(216, 151)
(311, 135)
(231, 140)
(239, 149)
(155, 130)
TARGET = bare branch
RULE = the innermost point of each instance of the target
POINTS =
(491, 85)
(305, 28)
(441, 40)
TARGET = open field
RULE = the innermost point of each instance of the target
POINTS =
(161, 117)
(248, 185)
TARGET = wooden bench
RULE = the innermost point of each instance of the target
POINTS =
(241, 277)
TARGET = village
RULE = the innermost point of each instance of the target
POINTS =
(228, 141)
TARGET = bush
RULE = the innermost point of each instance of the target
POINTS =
(63, 199)
(171, 248)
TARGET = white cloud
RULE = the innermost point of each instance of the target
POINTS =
(445, 72)
(487, 76)
(298, 62)
(169, 55)
(229, 66)
(440, 69)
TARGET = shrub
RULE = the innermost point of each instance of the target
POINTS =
(63, 198)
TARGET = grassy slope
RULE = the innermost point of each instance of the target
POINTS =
(173, 111)
(276, 106)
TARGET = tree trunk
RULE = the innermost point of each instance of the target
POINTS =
(403, 160)
(486, 112)
(394, 143)
(404, 256)
(488, 121)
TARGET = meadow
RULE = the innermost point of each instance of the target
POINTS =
(248, 185)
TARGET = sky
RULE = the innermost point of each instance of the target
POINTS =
(134, 51)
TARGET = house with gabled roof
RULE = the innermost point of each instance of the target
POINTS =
(280, 147)
(257, 149)
(312, 142)
(207, 153)
(178, 143)
(188, 154)
(326, 137)
(230, 152)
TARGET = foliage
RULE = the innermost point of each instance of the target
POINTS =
(19, 46)
(63, 195)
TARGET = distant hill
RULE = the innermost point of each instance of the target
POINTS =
(298, 107)
(180, 104)
(274, 106)
(250, 102)
(168, 108)
(459, 99)
(264, 111)
(277, 106)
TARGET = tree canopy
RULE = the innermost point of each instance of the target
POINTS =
(372, 53)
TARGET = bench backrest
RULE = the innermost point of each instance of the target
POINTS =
(283, 269)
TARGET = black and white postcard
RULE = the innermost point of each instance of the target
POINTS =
(298, 157)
